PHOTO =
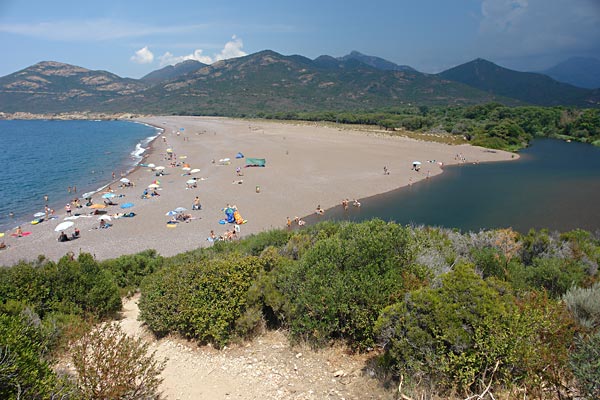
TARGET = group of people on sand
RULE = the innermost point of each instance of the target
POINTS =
(227, 236)
(297, 221)
(64, 238)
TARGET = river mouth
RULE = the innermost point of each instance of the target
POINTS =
(555, 185)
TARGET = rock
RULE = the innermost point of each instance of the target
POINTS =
(339, 373)
(298, 355)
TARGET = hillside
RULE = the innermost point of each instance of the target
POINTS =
(376, 62)
(50, 86)
(268, 82)
(172, 71)
(528, 87)
(583, 72)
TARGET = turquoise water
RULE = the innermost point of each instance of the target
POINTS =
(554, 185)
(47, 157)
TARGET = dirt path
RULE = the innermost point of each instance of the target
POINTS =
(266, 368)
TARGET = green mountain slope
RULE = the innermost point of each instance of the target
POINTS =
(268, 82)
(172, 71)
(528, 87)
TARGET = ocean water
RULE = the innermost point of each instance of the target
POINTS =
(42, 157)
(554, 185)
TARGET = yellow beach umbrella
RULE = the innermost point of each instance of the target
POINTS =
(97, 206)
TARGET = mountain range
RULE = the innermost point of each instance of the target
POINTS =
(270, 82)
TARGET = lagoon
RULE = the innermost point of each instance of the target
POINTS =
(554, 185)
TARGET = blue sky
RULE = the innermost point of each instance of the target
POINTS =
(132, 38)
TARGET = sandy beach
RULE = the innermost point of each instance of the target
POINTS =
(306, 165)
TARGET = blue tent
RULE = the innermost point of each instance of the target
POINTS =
(239, 155)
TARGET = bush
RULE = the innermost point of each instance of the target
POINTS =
(24, 370)
(129, 270)
(201, 301)
(111, 365)
(469, 331)
(339, 286)
(584, 305)
(585, 362)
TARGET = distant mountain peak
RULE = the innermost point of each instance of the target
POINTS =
(375, 62)
(579, 71)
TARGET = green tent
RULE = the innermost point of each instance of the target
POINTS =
(255, 162)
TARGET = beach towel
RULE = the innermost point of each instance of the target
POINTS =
(238, 218)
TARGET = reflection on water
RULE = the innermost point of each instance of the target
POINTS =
(555, 185)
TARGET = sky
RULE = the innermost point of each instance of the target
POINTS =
(132, 38)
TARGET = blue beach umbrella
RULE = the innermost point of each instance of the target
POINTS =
(180, 209)
(108, 195)
(171, 213)
(127, 205)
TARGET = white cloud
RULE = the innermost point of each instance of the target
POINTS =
(143, 56)
(232, 49)
(93, 29)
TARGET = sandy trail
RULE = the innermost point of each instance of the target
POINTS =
(265, 368)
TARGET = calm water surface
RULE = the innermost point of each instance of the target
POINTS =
(554, 185)
(46, 157)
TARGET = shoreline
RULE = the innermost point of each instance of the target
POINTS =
(307, 165)
(127, 165)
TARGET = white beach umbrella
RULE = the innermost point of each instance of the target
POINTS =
(190, 181)
(186, 169)
(125, 180)
(416, 162)
(63, 225)
(195, 170)
(180, 209)
(104, 217)
(151, 165)
(153, 186)
(159, 168)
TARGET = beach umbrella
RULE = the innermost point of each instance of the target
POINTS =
(169, 150)
(104, 217)
(180, 209)
(416, 163)
(151, 165)
(183, 157)
(159, 168)
(153, 186)
(63, 225)
(39, 214)
(171, 213)
(127, 205)
(156, 182)
(1, 234)
(125, 180)
(108, 195)
(186, 169)
(190, 181)
(97, 206)
(195, 170)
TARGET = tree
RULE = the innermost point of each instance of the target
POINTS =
(112, 365)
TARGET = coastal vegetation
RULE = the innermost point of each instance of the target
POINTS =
(491, 125)
(447, 313)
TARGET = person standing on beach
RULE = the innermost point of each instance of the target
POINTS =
(68, 209)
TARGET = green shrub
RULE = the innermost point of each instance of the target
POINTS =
(470, 331)
(129, 270)
(584, 305)
(585, 362)
(339, 286)
(111, 365)
(24, 370)
(201, 301)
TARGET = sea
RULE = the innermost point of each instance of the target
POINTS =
(54, 158)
